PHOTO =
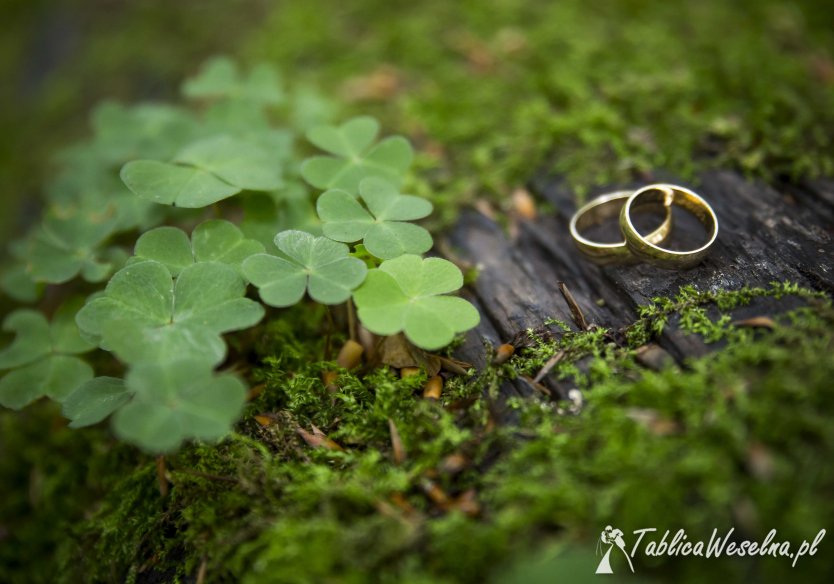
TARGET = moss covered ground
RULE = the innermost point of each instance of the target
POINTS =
(598, 93)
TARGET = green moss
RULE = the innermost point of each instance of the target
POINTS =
(603, 95)
(739, 437)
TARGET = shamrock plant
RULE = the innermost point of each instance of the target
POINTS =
(353, 156)
(215, 240)
(383, 227)
(178, 402)
(205, 172)
(44, 358)
(145, 315)
(221, 78)
(317, 265)
(68, 243)
(171, 299)
(409, 294)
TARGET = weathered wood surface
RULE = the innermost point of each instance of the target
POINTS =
(765, 235)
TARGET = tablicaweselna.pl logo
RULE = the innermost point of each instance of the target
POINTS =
(612, 544)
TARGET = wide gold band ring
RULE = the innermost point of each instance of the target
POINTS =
(646, 249)
(605, 207)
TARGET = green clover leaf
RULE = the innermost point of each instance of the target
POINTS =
(406, 294)
(42, 359)
(176, 402)
(220, 78)
(94, 400)
(146, 130)
(144, 315)
(215, 240)
(382, 227)
(172, 184)
(17, 283)
(211, 169)
(315, 264)
(67, 243)
(16, 280)
(239, 162)
(354, 157)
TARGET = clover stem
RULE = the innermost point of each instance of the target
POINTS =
(161, 475)
(328, 335)
(351, 318)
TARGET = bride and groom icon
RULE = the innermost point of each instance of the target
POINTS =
(611, 536)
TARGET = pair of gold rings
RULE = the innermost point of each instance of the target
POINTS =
(634, 245)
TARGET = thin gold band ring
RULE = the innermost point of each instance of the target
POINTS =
(606, 207)
(646, 249)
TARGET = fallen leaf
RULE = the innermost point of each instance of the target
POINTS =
(435, 493)
(318, 439)
(397, 352)
(453, 464)
(653, 357)
(756, 322)
(255, 391)
(467, 503)
(396, 443)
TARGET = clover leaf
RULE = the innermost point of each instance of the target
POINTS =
(67, 243)
(354, 157)
(382, 226)
(314, 264)
(407, 294)
(210, 170)
(239, 162)
(146, 130)
(171, 184)
(212, 241)
(220, 78)
(17, 283)
(94, 400)
(144, 315)
(176, 402)
(42, 359)
(16, 280)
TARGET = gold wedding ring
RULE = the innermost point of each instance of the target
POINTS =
(605, 207)
(647, 249)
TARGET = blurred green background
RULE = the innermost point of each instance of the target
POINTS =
(597, 92)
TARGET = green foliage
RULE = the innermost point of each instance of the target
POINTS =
(408, 294)
(353, 156)
(176, 402)
(42, 360)
(522, 87)
(66, 245)
(382, 228)
(145, 315)
(706, 436)
(170, 184)
(166, 308)
(315, 264)
(95, 400)
(212, 241)
(242, 163)
(221, 78)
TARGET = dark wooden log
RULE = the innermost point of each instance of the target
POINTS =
(766, 234)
